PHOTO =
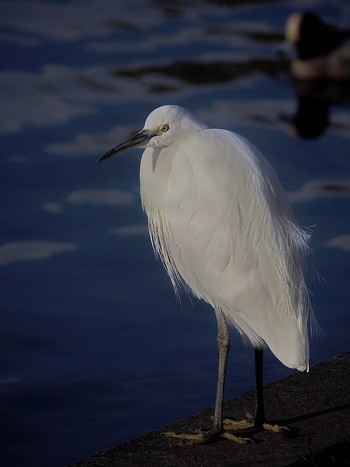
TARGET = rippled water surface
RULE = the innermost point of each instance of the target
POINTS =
(95, 347)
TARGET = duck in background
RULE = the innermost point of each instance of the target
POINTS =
(323, 51)
(320, 71)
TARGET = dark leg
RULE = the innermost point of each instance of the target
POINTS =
(259, 385)
(260, 420)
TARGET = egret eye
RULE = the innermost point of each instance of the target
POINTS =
(164, 128)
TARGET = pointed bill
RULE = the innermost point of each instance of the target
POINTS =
(137, 140)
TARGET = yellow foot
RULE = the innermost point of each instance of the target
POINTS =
(201, 438)
(237, 425)
(187, 438)
(229, 425)
(248, 422)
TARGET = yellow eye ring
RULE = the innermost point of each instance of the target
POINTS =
(164, 128)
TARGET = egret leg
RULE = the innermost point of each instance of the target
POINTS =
(259, 419)
(223, 342)
(219, 425)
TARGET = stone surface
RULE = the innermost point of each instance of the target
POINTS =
(315, 406)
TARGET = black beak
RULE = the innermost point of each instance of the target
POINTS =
(136, 140)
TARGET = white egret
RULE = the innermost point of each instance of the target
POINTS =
(221, 223)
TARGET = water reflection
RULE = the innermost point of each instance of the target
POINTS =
(315, 100)
(311, 118)
(206, 73)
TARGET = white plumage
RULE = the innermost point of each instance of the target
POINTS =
(222, 225)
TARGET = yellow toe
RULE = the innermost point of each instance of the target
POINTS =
(234, 438)
(236, 425)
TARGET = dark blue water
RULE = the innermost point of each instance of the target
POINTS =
(95, 347)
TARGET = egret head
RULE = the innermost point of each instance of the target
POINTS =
(169, 125)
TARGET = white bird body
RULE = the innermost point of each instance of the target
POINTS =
(221, 223)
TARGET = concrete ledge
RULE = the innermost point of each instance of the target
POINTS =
(315, 406)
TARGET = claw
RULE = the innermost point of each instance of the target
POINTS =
(236, 439)
(276, 428)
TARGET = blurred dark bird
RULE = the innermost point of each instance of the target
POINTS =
(323, 51)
